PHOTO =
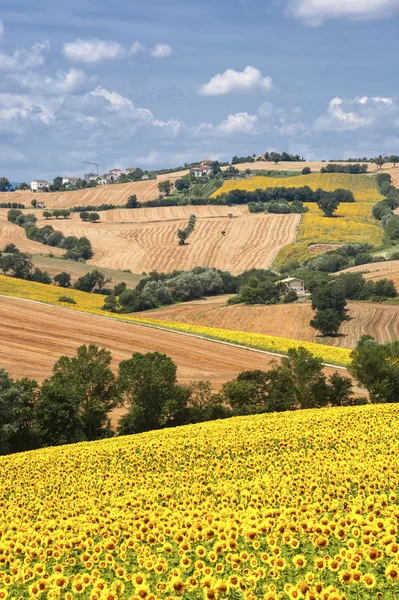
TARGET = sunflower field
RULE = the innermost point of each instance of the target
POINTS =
(364, 187)
(288, 506)
(92, 303)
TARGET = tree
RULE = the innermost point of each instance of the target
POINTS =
(148, 384)
(63, 279)
(94, 217)
(11, 249)
(376, 367)
(91, 281)
(329, 296)
(57, 415)
(394, 159)
(47, 214)
(340, 390)
(24, 186)
(10, 405)
(299, 380)
(182, 235)
(327, 321)
(25, 436)
(306, 171)
(57, 184)
(84, 215)
(91, 385)
(204, 404)
(165, 187)
(328, 205)
(34, 202)
(182, 184)
(57, 213)
(132, 202)
(275, 157)
(379, 161)
(5, 185)
(248, 393)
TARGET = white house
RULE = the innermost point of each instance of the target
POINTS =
(37, 185)
(293, 283)
(69, 180)
(201, 171)
(90, 176)
(103, 181)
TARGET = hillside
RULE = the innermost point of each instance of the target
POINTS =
(364, 187)
(378, 270)
(149, 241)
(287, 320)
(12, 234)
(241, 505)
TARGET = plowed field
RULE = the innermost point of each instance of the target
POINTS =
(142, 246)
(291, 321)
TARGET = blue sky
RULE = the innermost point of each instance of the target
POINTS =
(155, 84)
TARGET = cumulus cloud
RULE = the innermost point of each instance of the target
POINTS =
(24, 58)
(314, 12)
(17, 112)
(356, 113)
(232, 81)
(161, 51)
(69, 82)
(93, 51)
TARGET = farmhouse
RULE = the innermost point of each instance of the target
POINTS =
(293, 283)
(114, 174)
(206, 161)
(37, 185)
(130, 170)
(90, 176)
(201, 171)
(69, 180)
(103, 181)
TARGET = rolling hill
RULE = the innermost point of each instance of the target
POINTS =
(149, 242)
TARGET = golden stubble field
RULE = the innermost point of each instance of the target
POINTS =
(149, 240)
(287, 320)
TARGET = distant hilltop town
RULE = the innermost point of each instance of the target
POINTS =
(90, 180)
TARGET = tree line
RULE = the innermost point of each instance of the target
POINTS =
(75, 402)
(76, 248)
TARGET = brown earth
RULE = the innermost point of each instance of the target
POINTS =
(379, 270)
(151, 243)
(35, 335)
(287, 320)
(313, 248)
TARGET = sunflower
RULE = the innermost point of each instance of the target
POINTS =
(369, 580)
(392, 572)
(299, 561)
(177, 586)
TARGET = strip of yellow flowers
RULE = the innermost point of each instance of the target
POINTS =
(92, 303)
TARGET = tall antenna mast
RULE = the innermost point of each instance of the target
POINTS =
(91, 163)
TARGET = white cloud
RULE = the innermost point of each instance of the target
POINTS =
(151, 159)
(161, 51)
(314, 12)
(93, 51)
(69, 82)
(352, 114)
(233, 124)
(24, 59)
(232, 81)
(136, 48)
(173, 127)
(2, 30)
(17, 111)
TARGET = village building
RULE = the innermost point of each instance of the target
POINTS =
(90, 176)
(69, 180)
(206, 161)
(103, 181)
(201, 171)
(293, 283)
(130, 170)
(114, 174)
(37, 185)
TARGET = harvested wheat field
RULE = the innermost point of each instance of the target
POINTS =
(170, 213)
(13, 234)
(379, 270)
(249, 240)
(315, 167)
(287, 320)
(117, 193)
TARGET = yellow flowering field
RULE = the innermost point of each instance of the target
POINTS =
(364, 187)
(92, 303)
(296, 505)
(353, 223)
